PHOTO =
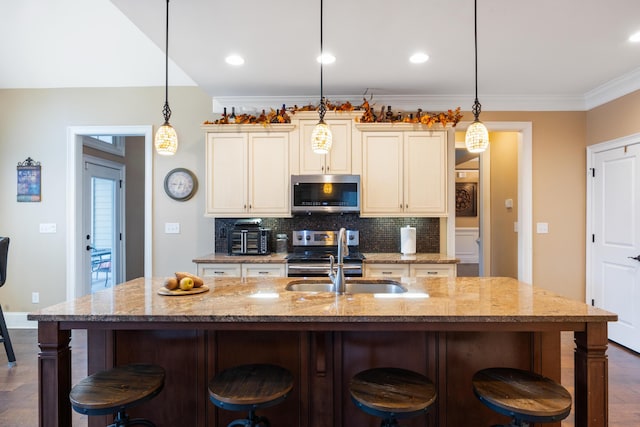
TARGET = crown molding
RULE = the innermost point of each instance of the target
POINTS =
(613, 89)
(433, 103)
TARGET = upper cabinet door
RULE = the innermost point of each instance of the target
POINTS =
(338, 161)
(404, 173)
(382, 173)
(269, 174)
(226, 183)
(425, 177)
(247, 174)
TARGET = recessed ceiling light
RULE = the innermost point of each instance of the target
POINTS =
(234, 60)
(326, 58)
(635, 37)
(419, 58)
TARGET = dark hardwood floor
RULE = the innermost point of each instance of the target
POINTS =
(19, 385)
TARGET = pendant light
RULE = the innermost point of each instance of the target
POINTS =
(477, 137)
(166, 140)
(321, 137)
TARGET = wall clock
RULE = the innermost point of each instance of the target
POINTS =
(180, 184)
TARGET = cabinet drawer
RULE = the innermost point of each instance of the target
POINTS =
(386, 270)
(263, 270)
(432, 270)
(219, 270)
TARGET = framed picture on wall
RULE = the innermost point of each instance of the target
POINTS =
(29, 178)
(466, 199)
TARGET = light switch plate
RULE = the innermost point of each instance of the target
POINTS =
(542, 227)
(48, 228)
(172, 228)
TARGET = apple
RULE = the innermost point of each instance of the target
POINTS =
(186, 283)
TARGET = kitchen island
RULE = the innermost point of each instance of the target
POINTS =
(445, 328)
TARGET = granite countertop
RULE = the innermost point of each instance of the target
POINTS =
(370, 258)
(451, 300)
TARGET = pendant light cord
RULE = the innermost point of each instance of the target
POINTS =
(476, 104)
(322, 108)
(166, 111)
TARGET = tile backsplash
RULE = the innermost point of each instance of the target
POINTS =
(376, 234)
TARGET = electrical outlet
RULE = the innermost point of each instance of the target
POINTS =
(35, 297)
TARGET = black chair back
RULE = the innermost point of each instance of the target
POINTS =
(4, 252)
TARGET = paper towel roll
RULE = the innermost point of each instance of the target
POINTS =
(408, 240)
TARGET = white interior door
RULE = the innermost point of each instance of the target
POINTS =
(102, 225)
(615, 260)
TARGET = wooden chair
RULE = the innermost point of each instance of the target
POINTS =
(4, 333)
(115, 390)
(392, 394)
(249, 388)
(524, 396)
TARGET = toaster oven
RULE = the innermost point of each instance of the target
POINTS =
(249, 241)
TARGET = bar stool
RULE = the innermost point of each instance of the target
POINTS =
(392, 394)
(524, 396)
(115, 390)
(249, 388)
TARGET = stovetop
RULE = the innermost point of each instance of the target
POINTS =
(316, 246)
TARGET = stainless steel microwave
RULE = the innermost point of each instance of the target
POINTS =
(325, 194)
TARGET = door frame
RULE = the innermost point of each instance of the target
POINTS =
(592, 150)
(525, 197)
(74, 241)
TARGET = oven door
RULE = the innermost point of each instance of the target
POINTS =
(321, 269)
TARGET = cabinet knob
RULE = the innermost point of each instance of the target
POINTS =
(406, 206)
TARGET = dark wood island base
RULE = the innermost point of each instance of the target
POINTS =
(463, 326)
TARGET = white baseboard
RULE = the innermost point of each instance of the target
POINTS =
(18, 320)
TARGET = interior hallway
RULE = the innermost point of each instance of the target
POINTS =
(19, 385)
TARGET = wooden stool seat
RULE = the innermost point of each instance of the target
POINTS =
(525, 396)
(248, 388)
(114, 390)
(392, 393)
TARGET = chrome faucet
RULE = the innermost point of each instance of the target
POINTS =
(337, 277)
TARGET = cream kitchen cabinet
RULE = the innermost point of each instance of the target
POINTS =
(247, 174)
(432, 270)
(241, 270)
(404, 173)
(219, 270)
(263, 270)
(410, 270)
(386, 270)
(338, 160)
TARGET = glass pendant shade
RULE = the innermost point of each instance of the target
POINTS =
(321, 138)
(477, 137)
(166, 140)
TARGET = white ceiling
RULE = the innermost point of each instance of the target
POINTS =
(533, 55)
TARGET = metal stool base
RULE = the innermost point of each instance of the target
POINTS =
(122, 420)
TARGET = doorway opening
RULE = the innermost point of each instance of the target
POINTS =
(78, 257)
(486, 245)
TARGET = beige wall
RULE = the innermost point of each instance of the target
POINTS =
(614, 119)
(34, 123)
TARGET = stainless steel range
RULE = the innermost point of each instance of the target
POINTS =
(311, 250)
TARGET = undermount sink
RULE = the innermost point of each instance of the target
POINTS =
(352, 286)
